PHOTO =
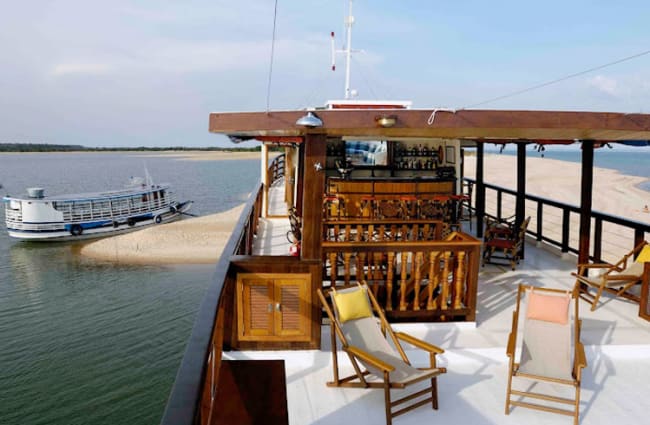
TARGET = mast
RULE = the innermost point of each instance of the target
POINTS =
(347, 50)
(349, 20)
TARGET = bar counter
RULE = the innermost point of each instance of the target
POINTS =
(357, 197)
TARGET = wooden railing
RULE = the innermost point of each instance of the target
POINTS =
(364, 230)
(276, 168)
(412, 280)
(557, 224)
(193, 394)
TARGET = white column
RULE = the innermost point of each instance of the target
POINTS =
(265, 179)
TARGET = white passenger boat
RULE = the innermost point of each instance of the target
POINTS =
(36, 217)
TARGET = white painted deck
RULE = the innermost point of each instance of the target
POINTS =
(615, 383)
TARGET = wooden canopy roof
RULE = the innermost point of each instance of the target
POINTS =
(479, 125)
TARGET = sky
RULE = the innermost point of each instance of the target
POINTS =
(148, 73)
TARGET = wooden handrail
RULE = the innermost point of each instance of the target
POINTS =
(191, 397)
(641, 230)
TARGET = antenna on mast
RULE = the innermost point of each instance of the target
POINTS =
(347, 50)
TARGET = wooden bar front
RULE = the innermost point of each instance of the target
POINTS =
(354, 191)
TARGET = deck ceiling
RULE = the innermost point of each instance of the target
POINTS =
(464, 124)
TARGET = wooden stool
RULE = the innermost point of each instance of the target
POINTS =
(435, 208)
(410, 206)
(368, 206)
(333, 207)
(389, 208)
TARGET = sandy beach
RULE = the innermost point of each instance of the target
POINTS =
(614, 193)
(198, 240)
(210, 155)
(201, 239)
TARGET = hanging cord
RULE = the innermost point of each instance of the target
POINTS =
(548, 83)
(432, 117)
(268, 90)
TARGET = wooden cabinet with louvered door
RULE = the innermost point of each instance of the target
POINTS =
(274, 307)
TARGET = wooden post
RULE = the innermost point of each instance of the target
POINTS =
(520, 206)
(586, 189)
(313, 186)
(644, 306)
(480, 190)
(301, 178)
(289, 175)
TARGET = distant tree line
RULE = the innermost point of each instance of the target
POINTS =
(46, 147)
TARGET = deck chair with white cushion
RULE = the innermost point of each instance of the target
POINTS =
(375, 350)
(617, 279)
(550, 351)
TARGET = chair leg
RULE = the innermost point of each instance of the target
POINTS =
(576, 415)
(508, 388)
(597, 297)
(389, 416)
(434, 393)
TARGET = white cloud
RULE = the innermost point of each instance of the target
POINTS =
(604, 84)
(79, 68)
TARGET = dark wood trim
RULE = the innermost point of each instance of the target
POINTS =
(586, 189)
(520, 203)
(312, 201)
(251, 392)
(480, 190)
(300, 179)
(512, 126)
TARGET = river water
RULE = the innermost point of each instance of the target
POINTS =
(86, 342)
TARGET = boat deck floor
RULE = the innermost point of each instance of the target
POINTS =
(617, 344)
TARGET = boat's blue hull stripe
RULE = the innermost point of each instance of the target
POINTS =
(86, 225)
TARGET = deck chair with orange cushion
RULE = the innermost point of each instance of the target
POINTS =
(617, 279)
(375, 350)
(550, 351)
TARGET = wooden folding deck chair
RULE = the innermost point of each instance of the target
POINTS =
(617, 279)
(508, 243)
(550, 351)
(365, 339)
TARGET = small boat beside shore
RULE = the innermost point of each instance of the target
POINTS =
(36, 217)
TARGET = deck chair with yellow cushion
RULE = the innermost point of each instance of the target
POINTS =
(550, 351)
(375, 350)
(617, 279)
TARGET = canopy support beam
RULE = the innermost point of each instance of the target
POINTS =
(586, 195)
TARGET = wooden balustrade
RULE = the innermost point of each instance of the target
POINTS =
(412, 280)
(383, 230)
(552, 223)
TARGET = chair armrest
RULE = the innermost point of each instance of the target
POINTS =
(369, 358)
(594, 266)
(419, 343)
(512, 337)
(581, 358)
(510, 349)
(586, 280)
